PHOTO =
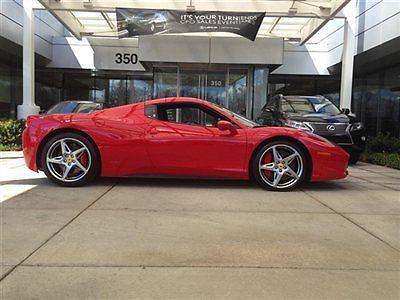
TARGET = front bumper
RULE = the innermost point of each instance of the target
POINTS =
(329, 161)
(354, 142)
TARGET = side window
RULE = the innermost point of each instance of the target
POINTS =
(286, 107)
(183, 114)
(85, 108)
(273, 103)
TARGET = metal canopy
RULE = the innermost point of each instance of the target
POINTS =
(296, 20)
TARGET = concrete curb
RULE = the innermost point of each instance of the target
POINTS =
(11, 154)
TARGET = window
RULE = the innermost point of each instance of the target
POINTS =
(62, 108)
(165, 82)
(286, 107)
(87, 107)
(188, 114)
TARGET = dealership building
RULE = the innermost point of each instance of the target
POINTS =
(346, 50)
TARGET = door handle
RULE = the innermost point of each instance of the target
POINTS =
(154, 131)
(157, 130)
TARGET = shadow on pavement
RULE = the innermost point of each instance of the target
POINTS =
(198, 183)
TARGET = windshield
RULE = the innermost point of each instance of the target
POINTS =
(246, 122)
(62, 108)
(309, 105)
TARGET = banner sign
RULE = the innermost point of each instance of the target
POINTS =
(134, 22)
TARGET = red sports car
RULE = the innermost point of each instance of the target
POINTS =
(176, 137)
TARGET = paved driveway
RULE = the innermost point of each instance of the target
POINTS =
(154, 238)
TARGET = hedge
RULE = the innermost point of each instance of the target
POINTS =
(383, 150)
(383, 143)
(11, 135)
(391, 160)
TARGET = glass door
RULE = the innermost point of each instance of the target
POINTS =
(215, 88)
(228, 88)
(191, 84)
(203, 85)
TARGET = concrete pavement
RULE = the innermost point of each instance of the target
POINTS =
(191, 239)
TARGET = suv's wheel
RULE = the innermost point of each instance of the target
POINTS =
(70, 159)
(354, 158)
(279, 165)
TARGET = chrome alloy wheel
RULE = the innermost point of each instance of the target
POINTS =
(281, 166)
(68, 159)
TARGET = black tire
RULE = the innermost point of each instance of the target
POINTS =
(53, 169)
(299, 165)
(354, 158)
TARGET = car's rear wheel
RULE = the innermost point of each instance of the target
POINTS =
(279, 165)
(70, 159)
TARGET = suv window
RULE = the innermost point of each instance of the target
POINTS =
(189, 114)
(272, 103)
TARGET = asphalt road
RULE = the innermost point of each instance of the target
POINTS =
(191, 239)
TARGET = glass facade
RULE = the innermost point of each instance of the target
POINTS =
(10, 90)
(111, 90)
(226, 86)
(376, 95)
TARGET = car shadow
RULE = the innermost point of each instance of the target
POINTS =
(193, 183)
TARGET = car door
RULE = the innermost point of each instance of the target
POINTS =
(183, 140)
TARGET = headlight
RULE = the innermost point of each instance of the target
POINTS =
(298, 125)
(356, 126)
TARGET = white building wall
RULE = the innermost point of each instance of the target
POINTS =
(46, 26)
(378, 21)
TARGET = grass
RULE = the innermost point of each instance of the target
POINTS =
(12, 147)
(391, 160)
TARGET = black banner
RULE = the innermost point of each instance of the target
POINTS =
(134, 22)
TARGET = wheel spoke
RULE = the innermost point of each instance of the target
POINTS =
(56, 160)
(277, 178)
(291, 173)
(64, 148)
(268, 167)
(276, 154)
(78, 152)
(80, 166)
(288, 159)
(66, 171)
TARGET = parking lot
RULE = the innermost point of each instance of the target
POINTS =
(174, 238)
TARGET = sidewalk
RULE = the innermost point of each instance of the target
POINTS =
(190, 239)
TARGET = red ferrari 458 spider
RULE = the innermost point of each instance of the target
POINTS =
(176, 137)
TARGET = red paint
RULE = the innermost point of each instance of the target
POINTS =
(132, 144)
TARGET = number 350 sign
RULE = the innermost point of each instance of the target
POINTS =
(117, 58)
(126, 58)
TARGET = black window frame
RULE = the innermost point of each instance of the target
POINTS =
(150, 109)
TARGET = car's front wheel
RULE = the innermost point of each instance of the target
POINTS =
(70, 159)
(279, 165)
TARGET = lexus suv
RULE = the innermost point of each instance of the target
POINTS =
(318, 115)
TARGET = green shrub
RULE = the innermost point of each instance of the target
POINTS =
(383, 143)
(10, 134)
(391, 160)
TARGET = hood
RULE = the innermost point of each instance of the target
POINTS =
(317, 117)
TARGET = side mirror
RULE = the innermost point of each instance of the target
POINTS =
(225, 125)
(346, 111)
